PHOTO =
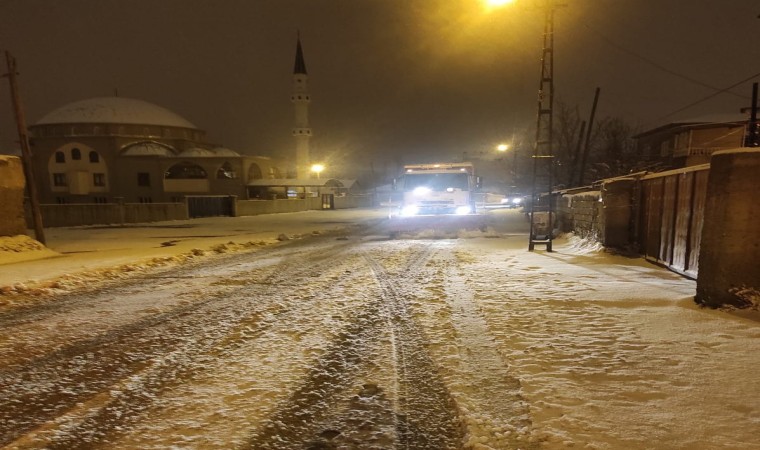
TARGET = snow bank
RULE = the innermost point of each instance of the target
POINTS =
(15, 249)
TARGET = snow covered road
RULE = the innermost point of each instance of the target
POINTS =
(356, 341)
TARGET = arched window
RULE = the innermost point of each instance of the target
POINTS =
(94, 157)
(185, 170)
(76, 154)
(60, 157)
(225, 172)
(254, 172)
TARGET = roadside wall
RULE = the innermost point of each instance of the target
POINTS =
(729, 261)
(616, 225)
(76, 214)
(12, 219)
(256, 207)
(580, 213)
(112, 213)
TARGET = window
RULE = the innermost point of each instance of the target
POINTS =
(143, 179)
(94, 157)
(145, 199)
(76, 154)
(99, 179)
(59, 179)
(100, 200)
(61, 200)
(185, 170)
(226, 172)
(60, 157)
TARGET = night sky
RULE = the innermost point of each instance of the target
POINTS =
(390, 80)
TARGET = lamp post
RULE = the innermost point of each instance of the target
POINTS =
(317, 168)
(543, 156)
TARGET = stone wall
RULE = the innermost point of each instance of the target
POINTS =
(12, 183)
(729, 258)
(580, 213)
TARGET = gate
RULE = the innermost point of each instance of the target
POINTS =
(210, 206)
(672, 213)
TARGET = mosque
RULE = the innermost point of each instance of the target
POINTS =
(116, 149)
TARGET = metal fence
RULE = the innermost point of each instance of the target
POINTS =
(671, 214)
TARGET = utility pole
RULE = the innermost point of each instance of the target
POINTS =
(26, 152)
(588, 138)
(753, 139)
(543, 154)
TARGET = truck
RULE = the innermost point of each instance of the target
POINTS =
(438, 196)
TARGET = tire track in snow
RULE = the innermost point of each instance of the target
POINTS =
(427, 416)
(133, 354)
(414, 412)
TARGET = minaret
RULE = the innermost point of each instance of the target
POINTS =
(300, 99)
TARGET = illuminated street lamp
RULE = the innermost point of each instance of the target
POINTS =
(502, 147)
(317, 168)
(497, 3)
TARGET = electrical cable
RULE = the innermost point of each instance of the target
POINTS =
(657, 65)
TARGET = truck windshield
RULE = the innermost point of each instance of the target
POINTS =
(436, 181)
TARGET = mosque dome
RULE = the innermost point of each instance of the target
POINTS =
(196, 152)
(223, 151)
(119, 110)
(147, 149)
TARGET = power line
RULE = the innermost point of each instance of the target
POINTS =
(715, 94)
(659, 66)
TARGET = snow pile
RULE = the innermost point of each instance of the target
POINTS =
(582, 245)
(94, 277)
(19, 248)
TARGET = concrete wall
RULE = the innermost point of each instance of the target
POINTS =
(111, 213)
(70, 215)
(616, 224)
(12, 181)
(256, 207)
(729, 260)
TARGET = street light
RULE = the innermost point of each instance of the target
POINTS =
(497, 3)
(502, 147)
(543, 149)
(317, 168)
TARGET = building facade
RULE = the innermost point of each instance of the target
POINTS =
(114, 149)
(692, 142)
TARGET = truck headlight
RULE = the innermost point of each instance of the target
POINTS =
(410, 210)
(462, 210)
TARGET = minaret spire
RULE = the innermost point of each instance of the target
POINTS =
(300, 99)
(300, 65)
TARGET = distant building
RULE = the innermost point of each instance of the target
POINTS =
(116, 149)
(301, 99)
(692, 142)
(111, 149)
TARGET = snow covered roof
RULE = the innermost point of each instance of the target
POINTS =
(115, 110)
(196, 152)
(147, 149)
(708, 120)
(223, 151)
